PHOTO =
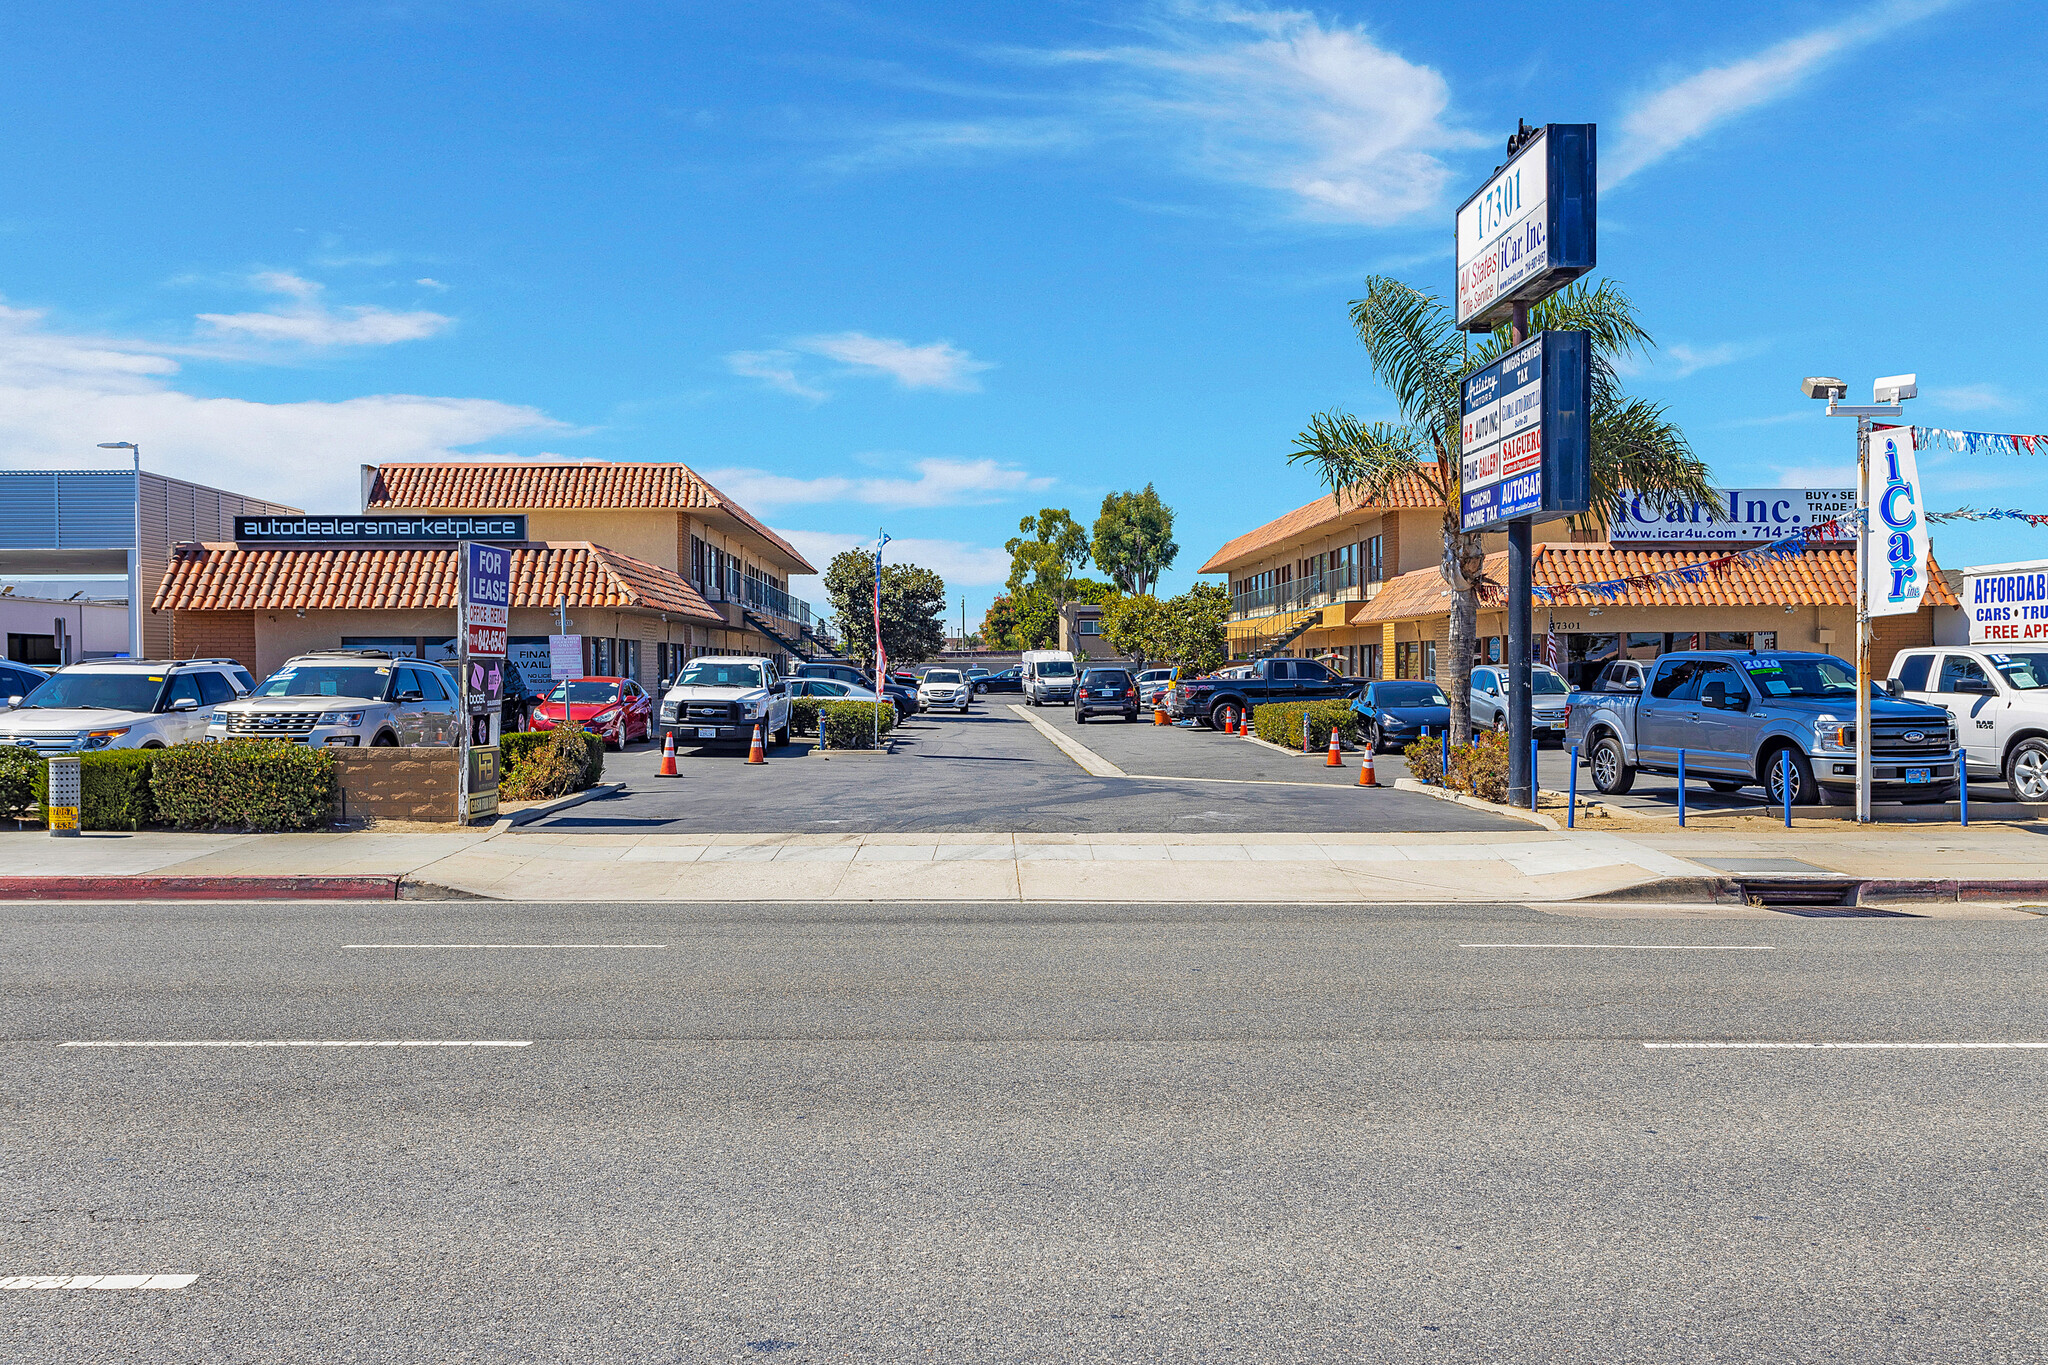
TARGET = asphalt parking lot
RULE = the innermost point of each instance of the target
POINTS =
(992, 770)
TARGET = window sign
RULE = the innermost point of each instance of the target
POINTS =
(2006, 602)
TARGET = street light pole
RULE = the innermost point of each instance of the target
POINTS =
(134, 564)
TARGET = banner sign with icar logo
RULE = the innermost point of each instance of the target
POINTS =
(1526, 439)
(1531, 229)
(1749, 514)
(487, 599)
(1899, 543)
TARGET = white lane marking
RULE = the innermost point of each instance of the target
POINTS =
(1643, 947)
(282, 1042)
(1091, 763)
(1848, 1047)
(95, 1281)
(504, 945)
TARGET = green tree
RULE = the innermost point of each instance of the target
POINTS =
(913, 608)
(1052, 547)
(1196, 639)
(999, 622)
(1139, 627)
(1133, 540)
(1038, 619)
(1421, 358)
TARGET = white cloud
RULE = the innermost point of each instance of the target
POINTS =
(898, 143)
(935, 365)
(1662, 122)
(939, 483)
(1280, 101)
(308, 321)
(1973, 398)
(960, 563)
(60, 395)
(433, 284)
(1683, 360)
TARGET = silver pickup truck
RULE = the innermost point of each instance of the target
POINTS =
(1733, 713)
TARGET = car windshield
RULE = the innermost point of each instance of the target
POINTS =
(585, 690)
(1548, 685)
(1056, 668)
(326, 680)
(97, 692)
(1410, 694)
(1782, 677)
(942, 675)
(720, 675)
(2023, 672)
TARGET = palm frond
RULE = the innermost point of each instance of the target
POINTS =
(1361, 460)
(1414, 348)
(1639, 450)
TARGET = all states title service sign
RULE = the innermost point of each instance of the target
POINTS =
(1531, 229)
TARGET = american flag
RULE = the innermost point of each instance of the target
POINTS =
(1553, 651)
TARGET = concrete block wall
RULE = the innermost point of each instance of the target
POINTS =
(216, 635)
(399, 784)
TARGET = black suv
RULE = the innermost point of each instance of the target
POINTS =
(1106, 689)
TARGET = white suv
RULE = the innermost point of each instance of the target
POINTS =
(123, 704)
(346, 698)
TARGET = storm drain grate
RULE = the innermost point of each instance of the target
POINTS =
(1841, 912)
(1784, 892)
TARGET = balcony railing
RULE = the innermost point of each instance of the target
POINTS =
(752, 592)
(1344, 583)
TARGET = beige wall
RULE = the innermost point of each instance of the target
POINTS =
(282, 634)
(647, 533)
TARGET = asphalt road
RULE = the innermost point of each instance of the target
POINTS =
(990, 770)
(900, 1133)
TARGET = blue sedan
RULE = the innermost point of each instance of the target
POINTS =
(1396, 713)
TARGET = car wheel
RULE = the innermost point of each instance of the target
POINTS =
(1612, 773)
(2027, 770)
(1080, 716)
(782, 735)
(1223, 718)
(387, 740)
(1500, 723)
(1804, 789)
(1375, 742)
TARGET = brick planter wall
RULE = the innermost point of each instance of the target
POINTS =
(399, 784)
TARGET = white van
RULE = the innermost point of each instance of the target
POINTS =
(1048, 677)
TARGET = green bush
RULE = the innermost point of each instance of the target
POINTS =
(259, 785)
(803, 715)
(1479, 769)
(20, 769)
(114, 789)
(1279, 722)
(564, 761)
(514, 750)
(852, 724)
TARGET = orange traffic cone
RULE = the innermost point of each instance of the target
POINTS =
(1333, 761)
(757, 754)
(668, 756)
(1244, 722)
(1366, 776)
(1159, 715)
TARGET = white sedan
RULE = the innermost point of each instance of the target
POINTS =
(945, 687)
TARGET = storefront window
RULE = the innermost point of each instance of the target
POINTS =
(1587, 655)
(1727, 639)
(1429, 660)
(1642, 645)
(397, 646)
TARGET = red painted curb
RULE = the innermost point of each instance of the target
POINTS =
(198, 888)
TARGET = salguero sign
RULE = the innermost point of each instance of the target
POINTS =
(1526, 444)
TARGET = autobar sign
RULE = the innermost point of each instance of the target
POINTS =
(1524, 447)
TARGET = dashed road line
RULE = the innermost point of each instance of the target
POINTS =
(1845, 1047)
(504, 945)
(95, 1281)
(297, 1042)
(1642, 947)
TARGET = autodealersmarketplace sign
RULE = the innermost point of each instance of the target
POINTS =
(2007, 603)
(1750, 514)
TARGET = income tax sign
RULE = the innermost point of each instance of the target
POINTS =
(1526, 438)
(1531, 229)
(486, 599)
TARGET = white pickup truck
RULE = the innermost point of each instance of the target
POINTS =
(721, 700)
(1999, 699)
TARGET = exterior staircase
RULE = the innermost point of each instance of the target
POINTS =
(793, 641)
(1293, 631)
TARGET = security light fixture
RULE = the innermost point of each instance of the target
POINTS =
(1895, 388)
(1824, 387)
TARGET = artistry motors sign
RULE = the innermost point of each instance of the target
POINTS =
(1531, 229)
(1525, 447)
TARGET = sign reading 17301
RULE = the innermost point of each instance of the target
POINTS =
(1530, 230)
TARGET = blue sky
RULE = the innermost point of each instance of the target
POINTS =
(933, 266)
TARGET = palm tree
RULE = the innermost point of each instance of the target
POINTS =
(1420, 356)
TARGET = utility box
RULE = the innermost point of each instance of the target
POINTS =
(60, 811)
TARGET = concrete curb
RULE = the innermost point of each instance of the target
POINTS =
(887, 749)
(561, 803)
(1091, 763)
(1728, 890)
(1541, 821)
(150, 888)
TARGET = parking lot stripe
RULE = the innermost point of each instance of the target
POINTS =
(1846, 1047)
(95, 1281)
(504, 945)
(293, 1042)
(1643, 947)
(1092, 763)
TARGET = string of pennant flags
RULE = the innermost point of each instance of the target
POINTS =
(1980, 442)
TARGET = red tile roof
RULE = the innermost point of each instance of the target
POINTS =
(526, 485)
(226, 577)
(1820, 577)
(1412, 493)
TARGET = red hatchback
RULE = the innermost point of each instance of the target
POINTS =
(613, 709)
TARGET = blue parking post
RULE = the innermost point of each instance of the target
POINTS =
(1571, 800)
(1535, 783)
(1681, 789)
(1963, 783)
(1785, 782)
(1447, 754)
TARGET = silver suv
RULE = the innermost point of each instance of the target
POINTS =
(122, 704)
(348, 698)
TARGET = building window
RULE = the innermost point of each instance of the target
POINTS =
(1408, 659)
(39, 651)
(1429, 660)
(1089, 625)
(397, 646)
(1375, 562)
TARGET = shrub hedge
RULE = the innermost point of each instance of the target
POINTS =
(515, 748)
(1279, 722)
(1479, 769)
(803, 715)
(19, 771)
(551, 763)
(258, 785)
(114, 788)
(853, 724)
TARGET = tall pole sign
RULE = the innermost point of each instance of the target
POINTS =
(1526, 444)
(482, 626)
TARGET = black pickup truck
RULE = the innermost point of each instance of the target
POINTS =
(1221, 697)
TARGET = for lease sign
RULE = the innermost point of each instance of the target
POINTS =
(2007, 603)
(487, 599)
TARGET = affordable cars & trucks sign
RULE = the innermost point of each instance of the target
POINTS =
(2007, 603)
